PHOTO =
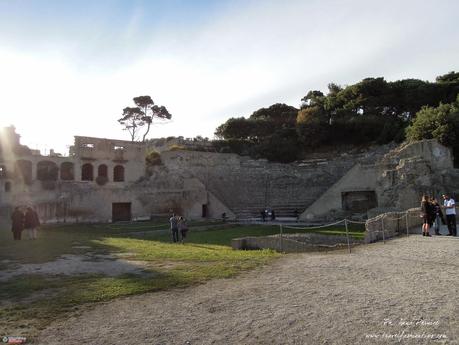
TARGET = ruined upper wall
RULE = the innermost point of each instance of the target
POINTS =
(107, 149)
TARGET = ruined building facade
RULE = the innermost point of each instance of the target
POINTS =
(107, 180)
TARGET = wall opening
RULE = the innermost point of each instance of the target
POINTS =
(102, 171)
(87, 173)
(118, 173)
(204, 210)
(7, 187)
(121, 211)
(358, 201)
(47, 171)
(67, 171)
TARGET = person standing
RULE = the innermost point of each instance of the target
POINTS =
(31, 223)
(183, 227)
(174, 228)
(427, 216)
(438, 216)
(17, 223)
(450, 210)
(263, 215)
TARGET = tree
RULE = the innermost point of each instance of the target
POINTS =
(136, 117)
(441, 123)
(278, 113)
(448, 78)
(132, 120)
(235, 128)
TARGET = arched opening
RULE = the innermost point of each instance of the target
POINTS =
(87, 173)
(102, 171)
(47, 171)
(118, 173)
(23, 171)
(67, 171)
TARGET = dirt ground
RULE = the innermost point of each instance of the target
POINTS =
(69, 264)
(404, 291)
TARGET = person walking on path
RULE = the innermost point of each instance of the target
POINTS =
(31, 223)
(174, 228)
(183, 227)
(438, 214)
(450, 210)
(427, 215)
(17, 223)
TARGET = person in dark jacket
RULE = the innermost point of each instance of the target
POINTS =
(17, 223)
(427, 215)
(31, 223)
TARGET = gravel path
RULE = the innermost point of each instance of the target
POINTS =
(405, 288)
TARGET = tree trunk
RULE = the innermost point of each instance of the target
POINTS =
(148, 129)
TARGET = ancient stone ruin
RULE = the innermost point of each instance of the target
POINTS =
(108, 180)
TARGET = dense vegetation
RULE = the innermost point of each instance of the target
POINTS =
(372, 111)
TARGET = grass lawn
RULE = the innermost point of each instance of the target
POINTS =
(30, 302)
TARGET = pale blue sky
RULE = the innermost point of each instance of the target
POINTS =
(70, 67)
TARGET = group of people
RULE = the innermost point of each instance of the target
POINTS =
(432, 214)
(178, 224)
(268, 213)
(24, 219)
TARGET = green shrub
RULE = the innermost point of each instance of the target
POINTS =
(176, 147)
(153, 158)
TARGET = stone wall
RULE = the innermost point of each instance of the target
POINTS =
(292, 243)
(392, 224)
(192, 182)
(247, 186)
(330, 204)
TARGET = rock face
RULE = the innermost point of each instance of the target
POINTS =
(404, 174)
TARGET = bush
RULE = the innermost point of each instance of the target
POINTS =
(177, 147)
(153, 158)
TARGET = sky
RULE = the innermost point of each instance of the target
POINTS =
(70, 67)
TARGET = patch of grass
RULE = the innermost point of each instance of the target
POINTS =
(56, 240)
(149, 250)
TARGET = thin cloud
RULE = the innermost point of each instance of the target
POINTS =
(236, 58)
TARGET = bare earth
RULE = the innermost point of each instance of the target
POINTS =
(111, 265)
(405, 288)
